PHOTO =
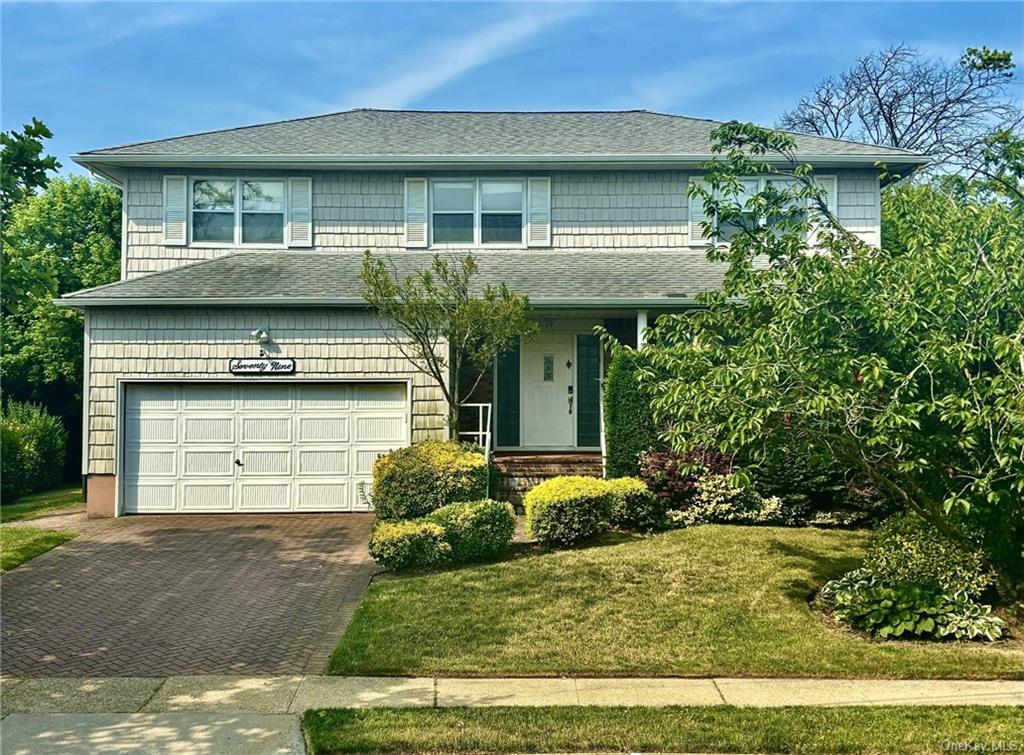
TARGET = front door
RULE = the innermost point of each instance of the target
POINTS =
(548, 382)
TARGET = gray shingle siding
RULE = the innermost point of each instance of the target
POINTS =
(196, 344)
(356, 210)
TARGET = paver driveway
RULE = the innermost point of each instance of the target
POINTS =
(187, 594)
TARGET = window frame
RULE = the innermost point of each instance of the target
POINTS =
(763, 180)
(478, 212)
(237, 237)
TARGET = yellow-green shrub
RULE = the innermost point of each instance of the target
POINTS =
(409, 545)
(565, 510)
(423, 477)
(477, 531)
(634, 506)
(906, 548)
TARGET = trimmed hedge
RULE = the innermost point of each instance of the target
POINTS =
(630, 430)
(414, 481)
(563, 511)
(34, 443)
(478, 531)
(409, 545)
(634, 506)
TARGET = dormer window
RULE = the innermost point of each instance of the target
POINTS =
(471, 212)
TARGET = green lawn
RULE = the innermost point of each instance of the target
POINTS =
(20, 544)
(716, 729)
(38, 504)
(705, 601)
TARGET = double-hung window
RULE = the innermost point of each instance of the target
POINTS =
(238, 211)
(794, 211)
(470, 212)
(747, 218)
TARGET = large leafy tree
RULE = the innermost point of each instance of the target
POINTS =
(62, 239)
(23, 165)
(899, 98)
(905, 363)
(445, 324)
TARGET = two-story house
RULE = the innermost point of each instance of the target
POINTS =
(236, 367)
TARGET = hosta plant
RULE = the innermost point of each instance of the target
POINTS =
(908, 611)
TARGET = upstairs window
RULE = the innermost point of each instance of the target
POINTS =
(501, 212)
(262, 212)
(747, 219)
(238, 211)
(454, 212)
(213, 211)
(477, 212)
(794, 211)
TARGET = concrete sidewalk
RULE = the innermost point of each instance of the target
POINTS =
(271, 695)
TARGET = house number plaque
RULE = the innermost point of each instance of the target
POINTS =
(261, 366)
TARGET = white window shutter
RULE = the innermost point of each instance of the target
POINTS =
(538, 205)
(300, 211)
(416, 212)
(175, 210)
(697, 216)
(829, 185)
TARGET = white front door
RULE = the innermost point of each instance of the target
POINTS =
(547, 375)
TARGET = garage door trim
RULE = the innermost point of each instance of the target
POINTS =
(123, 383)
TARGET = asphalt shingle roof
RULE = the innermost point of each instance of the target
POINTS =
(282, 277)
(390, 133)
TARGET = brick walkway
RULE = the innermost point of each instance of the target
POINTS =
(170, 595)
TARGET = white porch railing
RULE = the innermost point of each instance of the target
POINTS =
(482, 434)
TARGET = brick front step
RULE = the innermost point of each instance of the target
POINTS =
(518, 473)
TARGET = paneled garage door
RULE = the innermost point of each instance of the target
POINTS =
(256, 447)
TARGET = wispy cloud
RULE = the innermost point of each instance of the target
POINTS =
(428, 67)
(90, 27)
(712, 73)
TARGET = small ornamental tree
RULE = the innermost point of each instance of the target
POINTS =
(905, 363)
(443, 324)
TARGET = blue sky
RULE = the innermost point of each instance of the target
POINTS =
(101, 74)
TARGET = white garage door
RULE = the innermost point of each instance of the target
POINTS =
(256, 447)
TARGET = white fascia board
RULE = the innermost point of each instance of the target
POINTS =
(462, 161)
(553, 303)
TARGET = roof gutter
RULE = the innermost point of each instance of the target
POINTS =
(90, 160)
(655, 302)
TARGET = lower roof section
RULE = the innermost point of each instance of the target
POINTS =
(606, 279)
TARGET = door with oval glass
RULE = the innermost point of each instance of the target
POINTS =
(548, 380)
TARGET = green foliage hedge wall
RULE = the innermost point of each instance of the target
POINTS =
(629, 424)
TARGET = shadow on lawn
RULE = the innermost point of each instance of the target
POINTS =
(820, 566)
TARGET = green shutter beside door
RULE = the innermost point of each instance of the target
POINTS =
(588, 390)
(507, 399)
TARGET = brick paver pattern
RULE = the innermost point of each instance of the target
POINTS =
(186, 594)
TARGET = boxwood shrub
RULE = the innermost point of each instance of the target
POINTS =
(630, 430)
(563, 511)
(409, 545)
(34, 443)
(634, 506)
(477, 531)
(423, 477)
